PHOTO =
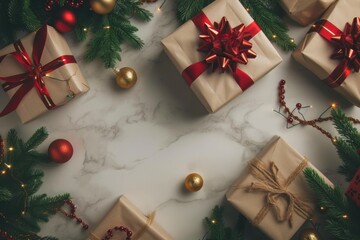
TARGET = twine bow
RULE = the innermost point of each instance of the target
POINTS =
(269, 181)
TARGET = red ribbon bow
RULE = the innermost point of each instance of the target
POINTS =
(35, 72)
(226, 47)
(347, 48)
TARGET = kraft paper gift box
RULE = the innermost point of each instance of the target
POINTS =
(305, 11)
(125, 214)
(63, 82)
(315, 52)
(215, 89)
(277, 162)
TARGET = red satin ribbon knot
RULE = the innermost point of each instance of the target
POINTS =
(35, 72)
(226, 47)
(347, 48)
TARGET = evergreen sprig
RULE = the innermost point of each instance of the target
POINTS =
(21, 210)
(347, 145)
(267, 13)
(342, 216)
(217, 229)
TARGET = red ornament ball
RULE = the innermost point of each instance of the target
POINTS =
(65, 20)
(60, 151)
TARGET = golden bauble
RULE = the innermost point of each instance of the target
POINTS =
(309, 234)
(126, 77)
(102, 6)
(193, 182)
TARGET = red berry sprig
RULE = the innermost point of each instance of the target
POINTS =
(73, 215)
(290, 117)
(5, 235)
(110, 232)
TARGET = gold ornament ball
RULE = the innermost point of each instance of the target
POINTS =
(126, 77)
(193, 182)
(102, 6)
(309, 234)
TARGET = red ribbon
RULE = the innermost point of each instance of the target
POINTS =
(35, 72)
(225, 48)
(347, 48)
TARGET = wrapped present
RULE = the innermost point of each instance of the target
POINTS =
(277, 190)
(39, 74)
(353, 190)
(331, 49)
(220, 52)
(125, 214)
(305, 11)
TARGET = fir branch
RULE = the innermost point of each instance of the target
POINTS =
(5, 194)
(332, 198)
(139, 12)
(36, 139)
(186, 9)
(28, 18)
(271, 24)
(345, 128)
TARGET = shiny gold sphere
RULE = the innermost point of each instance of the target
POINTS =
(309, 234)
(126, 77)
(102, 6)
(193, 182)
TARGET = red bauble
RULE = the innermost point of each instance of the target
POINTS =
(60, 151)
(65, 20)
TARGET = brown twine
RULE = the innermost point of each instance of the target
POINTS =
(269, 182)
(149, 221)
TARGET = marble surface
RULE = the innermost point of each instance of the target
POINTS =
(144, 141)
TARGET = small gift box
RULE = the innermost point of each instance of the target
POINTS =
(232, 55)
(353, 190)
(39, 74)
(277, 190)
(305, 11)
(125, 214)
(331, 49)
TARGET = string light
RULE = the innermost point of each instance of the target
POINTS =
(274, 36)
(345, 216)
(159, 8)
(3, 172)
(11, 149)
(213, 221)
(292, 40)
(333, 105)
(8, 166)
(248, 9)
(85, 29)
(107, 27)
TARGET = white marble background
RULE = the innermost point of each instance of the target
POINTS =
(144, 141)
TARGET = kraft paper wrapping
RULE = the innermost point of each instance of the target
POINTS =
(124, 213)
(314, 52)
(213, 88)
(305, 11)
(31, 105)
(287, 160)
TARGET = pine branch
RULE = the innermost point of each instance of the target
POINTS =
(186, 9)
(5, 194)
(28, 18)
(218, 230)
(346, 129)
(332, 198)
(36, 139)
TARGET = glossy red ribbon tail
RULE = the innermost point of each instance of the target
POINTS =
(242, 79)
(192, 72)
(200, 20)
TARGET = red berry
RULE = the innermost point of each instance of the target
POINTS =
(290, 120)
(282, 82)
(298, 105)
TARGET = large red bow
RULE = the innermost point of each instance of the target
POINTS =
(347, 48)
(225, 48)
(348, 45)
(35, 72)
